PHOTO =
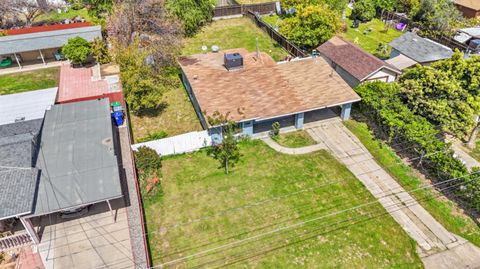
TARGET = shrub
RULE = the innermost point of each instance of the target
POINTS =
(192, 13)
(364, 10)
(100, 51)
(153, 136)
(148, 163)
(77, 50)
(275, 129)
(311, 26)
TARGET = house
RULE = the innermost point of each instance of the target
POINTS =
(469, 8)
(411, 49)
(355, 65)
(256, 91)
(41, 43)
(62, 162)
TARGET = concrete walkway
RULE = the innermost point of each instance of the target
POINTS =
(460, 153)
(436, 245)
(293, 151)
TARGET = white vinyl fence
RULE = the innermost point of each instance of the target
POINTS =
(178, 144)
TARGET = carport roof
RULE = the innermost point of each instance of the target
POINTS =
(263, 89)
(77, 158)
(46, 40)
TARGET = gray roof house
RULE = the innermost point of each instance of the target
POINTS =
(410, 49)
(61, 162)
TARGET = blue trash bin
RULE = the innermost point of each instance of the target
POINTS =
(118, 117)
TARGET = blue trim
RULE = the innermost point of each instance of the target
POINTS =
(247, 128)
(346, 109)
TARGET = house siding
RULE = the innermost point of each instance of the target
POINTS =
(383, 75)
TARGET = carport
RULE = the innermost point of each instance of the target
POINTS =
(42, 42)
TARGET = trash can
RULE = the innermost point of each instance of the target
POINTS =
(118, 117)
(117, 113)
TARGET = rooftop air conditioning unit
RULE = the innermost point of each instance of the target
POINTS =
(233, 61)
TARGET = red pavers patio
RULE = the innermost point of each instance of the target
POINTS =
(29, 260)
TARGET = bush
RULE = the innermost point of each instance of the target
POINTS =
(77, 50)
(100, 51)
(382, 104)
(148, 163)
(275, 129)
(364, 10)
(192, 13)
(153, 136)
(311, 26)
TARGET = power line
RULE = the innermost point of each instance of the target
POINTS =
(282, 229)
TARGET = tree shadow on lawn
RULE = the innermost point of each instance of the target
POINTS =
(153, 112)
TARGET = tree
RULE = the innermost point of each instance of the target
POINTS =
(100, 51)
(142, 84)
(385, 4)
(77, 50)
(336, 5)
(29, 9)
(192, 13)
(437, 14)
(446, 93)
(149, 22)
(227, 152)
(99, 8)
(311, 26)
(364, 10)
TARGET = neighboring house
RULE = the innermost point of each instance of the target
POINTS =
(64, 161)
(411, 49)
(259, 91)
(355, 65)
(469, 8)
(26, 106)
(41, 43)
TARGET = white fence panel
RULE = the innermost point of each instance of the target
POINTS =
(178, 144)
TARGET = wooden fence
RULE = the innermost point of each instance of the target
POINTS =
(448, 41)
(291, 48)
(234, 10)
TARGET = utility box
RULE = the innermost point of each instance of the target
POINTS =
(233, 61)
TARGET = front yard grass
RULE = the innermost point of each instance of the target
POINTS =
(202, 211)
(369, 41)
(29, 80)
(176, 116)
(449, 214)
(297, 139)
(231, 34)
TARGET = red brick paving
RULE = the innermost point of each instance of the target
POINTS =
(29, 260)
(77, 84)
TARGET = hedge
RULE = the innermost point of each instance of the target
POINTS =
(381, 102)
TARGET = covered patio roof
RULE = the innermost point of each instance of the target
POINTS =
(76, 158)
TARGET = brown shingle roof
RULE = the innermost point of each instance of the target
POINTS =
(264, 89)
(357, 62)
(472, 4)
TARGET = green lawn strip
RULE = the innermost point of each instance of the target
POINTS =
(70, 14)
(231, 34)
(29, 81)
(442, 209)
(295, 139)
(369, 41)
(271, 20)
(180, 222)
(176, 116)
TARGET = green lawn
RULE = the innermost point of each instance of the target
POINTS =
(202, 210)
(70, 14)
(29, 81)
(295, 139)
(231, 34)
(177, 116)
(442, 209)
(369, 41)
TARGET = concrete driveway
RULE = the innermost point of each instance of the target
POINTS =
(438, 247)
(92, 241)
